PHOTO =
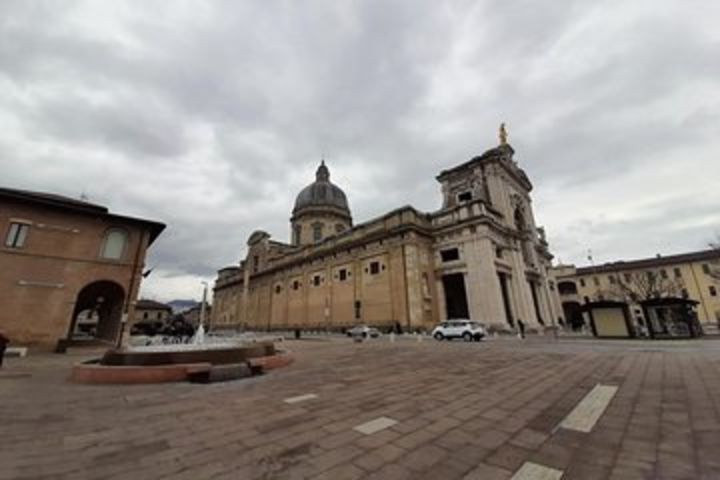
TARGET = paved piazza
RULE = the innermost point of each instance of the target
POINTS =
(383, 410)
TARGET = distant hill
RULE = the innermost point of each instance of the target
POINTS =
(182, 305)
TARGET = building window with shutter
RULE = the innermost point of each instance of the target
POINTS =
(16, 235)
(115, 243)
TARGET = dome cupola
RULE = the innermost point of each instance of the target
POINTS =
(321, 210)
(321, 193)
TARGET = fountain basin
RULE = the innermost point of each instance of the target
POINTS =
(216, 354)
(192, 362)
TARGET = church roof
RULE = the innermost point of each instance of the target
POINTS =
(321, 193)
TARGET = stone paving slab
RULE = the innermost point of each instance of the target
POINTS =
(464, 411)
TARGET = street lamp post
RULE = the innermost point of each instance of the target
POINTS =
(204, 302)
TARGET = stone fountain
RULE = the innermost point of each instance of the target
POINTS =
(204, 359)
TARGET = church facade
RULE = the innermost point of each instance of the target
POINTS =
(480, 256)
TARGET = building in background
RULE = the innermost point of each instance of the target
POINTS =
(192, 315)
(479, 256)
(150, 310)
(66, 263)
(642, 283)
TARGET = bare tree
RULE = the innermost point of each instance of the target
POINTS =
(638, 286)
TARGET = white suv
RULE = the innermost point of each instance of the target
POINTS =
(465, 329)
(363, 331)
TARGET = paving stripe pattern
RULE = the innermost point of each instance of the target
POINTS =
(586, 414)
(464, 412)
(300, 398)
(534, 471)
(374, 426)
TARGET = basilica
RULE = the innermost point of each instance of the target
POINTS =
(479, 256)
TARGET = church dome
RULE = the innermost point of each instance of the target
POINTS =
(321, 193)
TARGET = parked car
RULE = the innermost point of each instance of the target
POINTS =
(363, 331)
(465, 329)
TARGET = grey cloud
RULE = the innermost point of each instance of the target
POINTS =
(128, 123)
(211, 116)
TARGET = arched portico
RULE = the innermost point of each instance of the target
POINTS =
(99, 307)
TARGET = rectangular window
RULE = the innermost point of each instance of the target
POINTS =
(663, 273)
(450, 255)
(114, 245)
(628, 278)
(596, 281)
(678, 274)
(685, 293)
(582, 282)
(611, 279)
(706, 268)
(465, 197)
(342, 274)
(713, 291)
(316, 280)
(16, 235)
(374, 268)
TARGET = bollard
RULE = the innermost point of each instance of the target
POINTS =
(419, 337)
(392, 337)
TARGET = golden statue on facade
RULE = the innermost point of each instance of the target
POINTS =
(502, 134)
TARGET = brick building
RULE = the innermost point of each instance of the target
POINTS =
(63, 260)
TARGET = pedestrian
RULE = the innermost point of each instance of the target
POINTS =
(3, 345)
(521, 328)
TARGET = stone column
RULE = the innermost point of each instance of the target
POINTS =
(485, 301)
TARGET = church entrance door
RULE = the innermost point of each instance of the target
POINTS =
(455, 297)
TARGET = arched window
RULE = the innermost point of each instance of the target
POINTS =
(317, 231)
(297, 232)
(114, 245)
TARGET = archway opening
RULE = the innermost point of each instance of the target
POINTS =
(98, 312)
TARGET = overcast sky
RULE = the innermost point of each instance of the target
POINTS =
(210, 116)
